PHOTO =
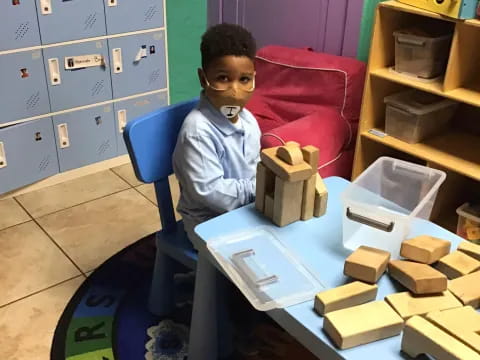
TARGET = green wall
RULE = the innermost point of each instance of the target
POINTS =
(366, 27)
(186, 22)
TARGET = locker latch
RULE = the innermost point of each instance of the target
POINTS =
(141, 54)
(117, 60)
(3, 157)
(122, 120)
(54, 69)
(63, 139)
(112, 3)
(46, 7)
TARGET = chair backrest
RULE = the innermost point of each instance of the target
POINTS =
(151, 141)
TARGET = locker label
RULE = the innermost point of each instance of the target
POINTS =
(84, 61)
(3, 157)
(122, 120)
(46, 7)
(63, 139)
(54, 70)
(117, 60)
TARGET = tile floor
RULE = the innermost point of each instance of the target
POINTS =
(51, 239)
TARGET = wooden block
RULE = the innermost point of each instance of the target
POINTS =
(366, 264)
(285, 171)
(462, 323)
(292, 143)
(420, 336)
(457, 264)
(425, 249)
(292, 155)
(311, 156)
(265, 183)
(467, 289)
(470, 249)
(321, 197)
(287, 201)
(308, 198)
(269, 204)
(362, 324)
(418, 278)
(408, 304)
(348, 295)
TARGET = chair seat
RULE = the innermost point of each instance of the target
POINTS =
(176, 245)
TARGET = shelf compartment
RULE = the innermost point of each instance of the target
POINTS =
(456, 151)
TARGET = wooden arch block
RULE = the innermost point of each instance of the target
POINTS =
(292, 155)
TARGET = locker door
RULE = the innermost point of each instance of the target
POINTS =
(141, 15)
(23, 88)
(66, 20)
(138, 63)
(85, 136)
(128, 110)
(19, 25)
(78, 74)
(27, 154)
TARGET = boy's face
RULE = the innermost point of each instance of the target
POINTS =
(228, 82)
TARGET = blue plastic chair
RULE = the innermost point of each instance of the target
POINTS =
(150, 142)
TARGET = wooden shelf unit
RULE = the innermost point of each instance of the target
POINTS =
(457, 152)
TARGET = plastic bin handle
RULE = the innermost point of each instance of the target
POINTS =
(410, 41)
(370, 222)
(245, 261)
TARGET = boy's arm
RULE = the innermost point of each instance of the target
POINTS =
(203, 171)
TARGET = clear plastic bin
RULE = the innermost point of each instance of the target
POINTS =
(468, 225)
(413, 115)
(380, 205)
(421, 56)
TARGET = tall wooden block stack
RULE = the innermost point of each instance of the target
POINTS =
(288, 186)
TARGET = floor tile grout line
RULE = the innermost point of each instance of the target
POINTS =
(124, 179)
(145, 196)
(42, 290)
(73, 206)
(53, 240)
(18, 224)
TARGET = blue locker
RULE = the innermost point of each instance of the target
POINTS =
(19, 25)
(78, 74)
(141, 15)
(23, 88)
(27, 154)
(138, 63)
(128, 110)
(66, 20)
(85, 136)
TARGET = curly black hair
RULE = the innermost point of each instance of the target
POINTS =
(226, 39)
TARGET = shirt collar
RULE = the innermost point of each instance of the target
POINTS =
(217, 118)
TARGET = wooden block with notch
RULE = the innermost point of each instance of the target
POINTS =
(457, 264)
(269, 204)
(408, 304)
(341, 297)
(470, 249)
(462, 323)
(265, 183)
(420, 336)
(287, 201)
(362, 324)
(418, 278)
(285, 171)
(321, 197)
(467, 289)
(425, 249)
(366, 264)
(291, 154)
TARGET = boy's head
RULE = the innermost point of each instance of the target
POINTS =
(228, 71)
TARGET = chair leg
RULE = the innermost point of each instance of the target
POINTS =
(210, 334)
(161, 301)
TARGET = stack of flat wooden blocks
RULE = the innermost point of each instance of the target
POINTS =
(288, 186)
(437, 313)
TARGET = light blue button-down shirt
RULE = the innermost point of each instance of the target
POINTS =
(215, 163)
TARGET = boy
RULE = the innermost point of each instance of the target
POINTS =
(218, 146)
